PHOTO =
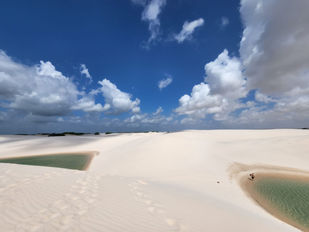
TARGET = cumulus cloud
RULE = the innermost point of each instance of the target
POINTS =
(273, 63)
(88, 104)
(218, 95)
(224, 76)
(84, 71)
(38, 90)
(274, 51)
(188, 29)
(262, 97)
(150, 14)
(152, 121)
(116, 101)
(40, 98)
(286, 113)
(165, 82)
(277, 44)
(199, 102)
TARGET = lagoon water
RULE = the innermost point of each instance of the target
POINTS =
(286, 196)
(70, 161)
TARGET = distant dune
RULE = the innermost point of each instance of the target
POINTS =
(184, 181)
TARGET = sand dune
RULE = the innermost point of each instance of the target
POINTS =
(184, 181)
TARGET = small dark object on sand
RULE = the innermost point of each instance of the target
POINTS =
(251, 176)
(218, 182)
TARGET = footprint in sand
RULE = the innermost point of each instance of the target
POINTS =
(154, 207)
(73, 204)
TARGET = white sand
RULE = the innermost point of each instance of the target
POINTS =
(146, 182)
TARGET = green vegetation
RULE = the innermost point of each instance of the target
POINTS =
(63, 134)
(82, 133)
(290, 197)
(56, 134)
(70, 161)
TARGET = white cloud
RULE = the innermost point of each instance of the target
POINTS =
(274, 61)
(48, 69)
(155, 120)
(274, 51)
(153, 9)
(224, 21)
(188, 29)
(165, 82)
(199, 103)
(150, 14)
(262, 97)
(224, 85)
(84, 71)
(116, 101)
(87, 104)
(158, 111)
(274, 47)
(38, 90)
(287, 112)
(224, 76)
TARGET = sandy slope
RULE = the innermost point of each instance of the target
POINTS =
(146, 182)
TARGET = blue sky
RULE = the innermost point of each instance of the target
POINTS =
(208, 50)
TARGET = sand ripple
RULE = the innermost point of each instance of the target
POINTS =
(52, 199)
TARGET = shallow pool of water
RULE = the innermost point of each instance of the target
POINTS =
(287, 196)
(70, 161)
